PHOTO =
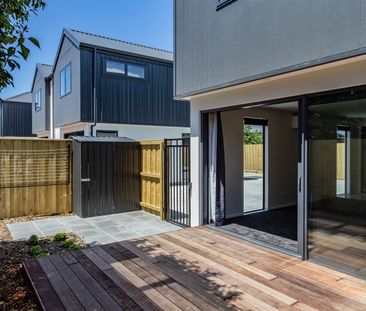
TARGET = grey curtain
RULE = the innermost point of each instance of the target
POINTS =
(217, 170)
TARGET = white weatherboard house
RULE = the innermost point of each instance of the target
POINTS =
(285, 78)
(99, 86)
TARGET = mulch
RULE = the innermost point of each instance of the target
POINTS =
(15, 292)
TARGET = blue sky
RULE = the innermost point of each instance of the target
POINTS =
(148, 22)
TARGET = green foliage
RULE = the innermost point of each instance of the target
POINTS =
(59, 237)
(14, 17)
(37, 251)
(71, 245)
(251, 136)
(33, 240)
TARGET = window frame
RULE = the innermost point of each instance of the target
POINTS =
(223, 3)
(136, 65)
(106, 132)
(60, 84)
(115, 73)
(127, 64)
(40, 100)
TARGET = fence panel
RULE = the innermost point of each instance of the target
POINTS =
(35, 177)
(253, 158)
(152, 177)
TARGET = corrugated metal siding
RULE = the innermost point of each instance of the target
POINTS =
(114, 172)
(132, 101)
(16, 119)
(86, 84)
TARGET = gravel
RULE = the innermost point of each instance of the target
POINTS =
(15, 292)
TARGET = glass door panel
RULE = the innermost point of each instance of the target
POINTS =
(253, 163)
(337, 197)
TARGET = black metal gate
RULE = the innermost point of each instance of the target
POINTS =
(178, 181)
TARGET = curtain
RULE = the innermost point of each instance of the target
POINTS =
(216, 170)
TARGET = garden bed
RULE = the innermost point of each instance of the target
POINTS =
(15, 292)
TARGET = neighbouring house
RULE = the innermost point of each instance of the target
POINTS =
(100, 86)
(41, 101)
(16, 116)
(278, 123)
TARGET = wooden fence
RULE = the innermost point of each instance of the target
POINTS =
(35, 177)
(253, 158)
(152, 177)
(341, 157)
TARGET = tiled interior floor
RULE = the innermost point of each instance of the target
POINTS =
(96, 230)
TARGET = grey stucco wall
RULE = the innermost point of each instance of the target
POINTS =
(282, 150)
(39, 117)
(254, 38)
(67, 108)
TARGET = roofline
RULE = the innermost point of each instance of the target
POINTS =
(35, 74)
(122, 52)
(9, 98)
(67, 33)
(271, 74)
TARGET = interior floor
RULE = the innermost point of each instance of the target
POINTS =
(276, 227)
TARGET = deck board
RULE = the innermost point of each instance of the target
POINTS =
(192, 269)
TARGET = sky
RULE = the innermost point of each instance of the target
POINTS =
(147, 22)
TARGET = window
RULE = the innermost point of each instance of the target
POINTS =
(222, 3)
(136, 71)
(107, 133)
(37, 101)
(65, 81)
(115, 67)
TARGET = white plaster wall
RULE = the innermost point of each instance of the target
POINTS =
(136, 132)
(326, 77)
(143, 132)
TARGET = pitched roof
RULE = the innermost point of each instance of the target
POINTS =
(45, 70)
(80, 37)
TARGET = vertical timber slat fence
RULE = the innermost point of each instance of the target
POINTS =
(152, 177)
(35, 177)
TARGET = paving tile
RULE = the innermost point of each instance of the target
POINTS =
(21, 226)
(126, 236)
(53, 231)
(24, 235)
(99, 240)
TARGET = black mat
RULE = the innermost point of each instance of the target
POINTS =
(281, 222)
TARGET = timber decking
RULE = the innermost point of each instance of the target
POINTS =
(191, 269)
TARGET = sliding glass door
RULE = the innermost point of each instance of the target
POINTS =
(253, 163)
(336, 182)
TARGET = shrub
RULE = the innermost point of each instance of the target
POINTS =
(60, 237)
(33, 240)
(71, 245)
(36, 250)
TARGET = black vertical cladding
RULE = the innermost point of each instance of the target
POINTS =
(127, 100)
(16, 119)
(106, 176)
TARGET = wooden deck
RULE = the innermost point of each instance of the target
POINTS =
(190, 269)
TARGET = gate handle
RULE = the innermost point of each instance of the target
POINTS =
(85, 180)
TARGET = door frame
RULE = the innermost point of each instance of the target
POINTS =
(264, 124)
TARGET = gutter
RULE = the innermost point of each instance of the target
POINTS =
(94, 93)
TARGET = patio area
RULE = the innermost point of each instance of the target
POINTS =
(189, 269)
(96, 230)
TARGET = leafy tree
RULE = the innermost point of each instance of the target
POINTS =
(14, 42)
(252, 136)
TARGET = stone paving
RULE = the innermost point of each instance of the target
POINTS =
(96, 230)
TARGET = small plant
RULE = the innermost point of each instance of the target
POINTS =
(60, 237)
(71, 245)
(43, 255)
(36, 250)
(33, 240)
